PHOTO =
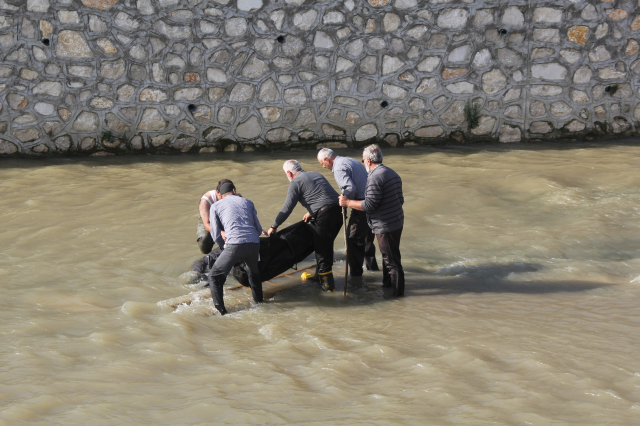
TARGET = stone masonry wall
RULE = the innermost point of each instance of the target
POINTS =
(99, 77)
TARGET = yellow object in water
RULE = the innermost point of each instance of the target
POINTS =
(307, 276)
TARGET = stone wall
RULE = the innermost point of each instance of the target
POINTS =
(97, 77)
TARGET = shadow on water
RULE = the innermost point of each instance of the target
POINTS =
(309, 155)
(457, 280)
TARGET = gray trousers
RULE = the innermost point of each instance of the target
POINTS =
(232, 254)
(204, 239)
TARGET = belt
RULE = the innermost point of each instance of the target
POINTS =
(326, 206)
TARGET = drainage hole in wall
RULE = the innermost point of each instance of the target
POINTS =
(191, 107)
(46, 41)
(503, 31)
(280, 39)
(384, 104)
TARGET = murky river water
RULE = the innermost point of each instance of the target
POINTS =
(522, 302)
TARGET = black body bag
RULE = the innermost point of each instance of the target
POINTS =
(278, 253)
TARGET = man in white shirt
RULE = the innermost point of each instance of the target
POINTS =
(203, 232)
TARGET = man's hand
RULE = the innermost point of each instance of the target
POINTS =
(306, 217)
(270, 232)
(343, 201)
(222, 235)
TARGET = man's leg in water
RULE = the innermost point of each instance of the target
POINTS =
(204, 239)
(219, 272)
(252, 252)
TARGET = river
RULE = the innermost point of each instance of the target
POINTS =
(522, 302)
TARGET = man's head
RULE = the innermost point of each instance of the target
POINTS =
(226, 187)
(371, 156)
(291, 169)
(326, 157)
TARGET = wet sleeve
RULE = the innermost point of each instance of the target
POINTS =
(372, 195)
(293, 196)
(345, 183)
(216, 227)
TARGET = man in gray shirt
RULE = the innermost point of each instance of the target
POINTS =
(240, 241)
(383, 200)
(323, 216)
(351, 177)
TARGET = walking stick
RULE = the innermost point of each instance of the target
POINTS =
(346, 250)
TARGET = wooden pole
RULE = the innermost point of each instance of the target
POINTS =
(346, 250)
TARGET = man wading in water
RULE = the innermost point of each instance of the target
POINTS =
(351, 177)
(238, 219)
(324, 216)
(203, 232)
(383, 202)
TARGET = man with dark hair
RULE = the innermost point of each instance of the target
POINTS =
(383, 202)
(236, 229)
(323, 216)
(203, 232)
(351, 177)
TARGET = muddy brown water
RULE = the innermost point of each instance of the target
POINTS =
(522, 303)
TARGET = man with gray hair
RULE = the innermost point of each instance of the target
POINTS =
(383, 202)
(351, 177)
(323, 216)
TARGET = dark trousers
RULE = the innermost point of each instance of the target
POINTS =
(204, 239)
(325, 228)
(360, 244)
(232, 254)
(392, 272)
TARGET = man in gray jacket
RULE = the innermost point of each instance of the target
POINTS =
(383, 202)
(323, 216)
(236, 229)
(351, 177)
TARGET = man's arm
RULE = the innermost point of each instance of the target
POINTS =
(216, 227)
(204, 214)
(345, 183)
(293, 196)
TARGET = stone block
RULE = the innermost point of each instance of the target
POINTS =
(295, 96)
(546, 90)
(454, 115)
(72, 44)
(485, 126)
(453, 18)
(152, 120)
(50, 88)
(493, 81)
(429, 64)
(550, 71)
(575, 126)
(29, 134)
(99, 4)
(513, 16)
(561, 109)
(547, 15)
(509, 134)
(578, 34)
(537, 109)
(278, 135)
(331, 130)
(393, 91)
(429, 132)
(242, 92)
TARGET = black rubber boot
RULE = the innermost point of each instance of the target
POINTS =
(327, 283)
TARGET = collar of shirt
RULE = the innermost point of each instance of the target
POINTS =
(377, 165)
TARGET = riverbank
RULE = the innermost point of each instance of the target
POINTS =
(103, 77)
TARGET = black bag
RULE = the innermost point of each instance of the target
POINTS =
(278, 253)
